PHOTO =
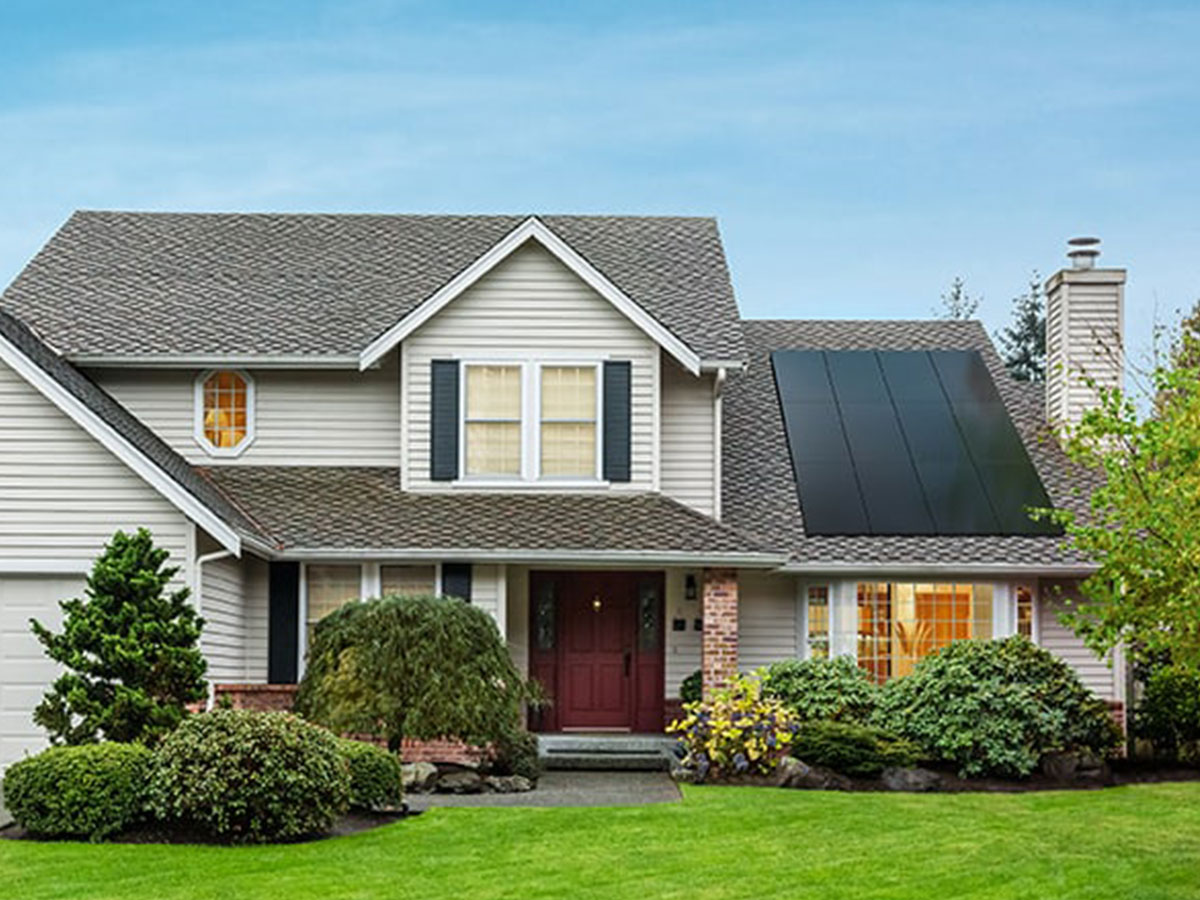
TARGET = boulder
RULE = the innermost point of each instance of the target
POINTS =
(1060, 766)
(913, 780)
(508, 784)
(462, 781)
(418, 777)
(794, 773)
(683, 773)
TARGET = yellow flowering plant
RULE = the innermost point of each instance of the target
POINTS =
(736, 732)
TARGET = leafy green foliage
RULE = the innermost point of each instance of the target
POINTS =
(129, 648)
(250, 777)
(1143, 526)
(852, 749)
(1169, 713)
(995, 708)
(375, 781)
(423, 667)
(515, 752)
(1023, 343)
(691, 689)
(737, 732)
(835, 689)
(91, 791)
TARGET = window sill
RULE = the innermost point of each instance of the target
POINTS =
(467, 484)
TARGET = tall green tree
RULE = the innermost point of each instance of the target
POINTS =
(1143, 525)
(129, 649)
(957, 303)
(1024, 341)
(421, 667)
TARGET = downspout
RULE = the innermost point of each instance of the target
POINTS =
(718, 406)
(198, 602)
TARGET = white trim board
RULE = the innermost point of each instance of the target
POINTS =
(531, 229)
(109, 438)
(640, 559)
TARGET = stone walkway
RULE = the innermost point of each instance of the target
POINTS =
(569, 788)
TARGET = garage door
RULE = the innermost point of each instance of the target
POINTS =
(25, 672)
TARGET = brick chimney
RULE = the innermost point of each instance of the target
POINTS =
(1085, 334)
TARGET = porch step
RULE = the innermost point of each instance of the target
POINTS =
(640, 752)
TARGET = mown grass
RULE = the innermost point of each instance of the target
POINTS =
(1131, 842)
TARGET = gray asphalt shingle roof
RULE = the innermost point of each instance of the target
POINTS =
(760, 494)
(310, 284)
(348, 508)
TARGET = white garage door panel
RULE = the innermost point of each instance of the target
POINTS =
(25, 672)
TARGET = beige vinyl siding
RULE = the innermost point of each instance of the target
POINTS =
(688, 452)
(1083, 331)
(234, 605)
(682, 648)
(528, 305)
(1060, 640)
(766, 619)
(327, 417)
(62, 494)
(488, 591)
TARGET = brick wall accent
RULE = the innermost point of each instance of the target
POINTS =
(719, 646)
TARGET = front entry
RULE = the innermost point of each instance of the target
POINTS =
(596, 642)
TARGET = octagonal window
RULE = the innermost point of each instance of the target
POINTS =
(225, 412)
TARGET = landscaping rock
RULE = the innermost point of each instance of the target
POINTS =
(1060, 766)
(794, 773)
(463, 781)
(682, 773)
(915, 780)
(418, 777)
(508, 784)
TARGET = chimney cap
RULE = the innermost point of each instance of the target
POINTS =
(1083, 252)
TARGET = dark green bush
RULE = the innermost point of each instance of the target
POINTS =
(1169, 713)
(691, 689)
(995, 708)
(375, 781)
(823, 689)
(852, 749)
(90, 791)
(250, 777)
(515, 752)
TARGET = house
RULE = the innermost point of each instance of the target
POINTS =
(561, 419)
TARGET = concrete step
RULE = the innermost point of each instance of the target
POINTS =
(628, 752)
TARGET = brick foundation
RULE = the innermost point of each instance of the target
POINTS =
(719, 648)
(282, 698)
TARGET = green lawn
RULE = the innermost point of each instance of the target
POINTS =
(1130, 842)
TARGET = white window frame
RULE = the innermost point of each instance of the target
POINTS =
(530, 423)
(198, 414)
(803, 646)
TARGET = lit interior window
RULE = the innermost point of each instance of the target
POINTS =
(818, 622)
(493, 421)
(568, 421)
(226, 410)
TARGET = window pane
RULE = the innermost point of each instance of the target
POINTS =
(569, 392)
(818, 622)
(226, 410)
(408, 581)
(1025, 612)
(493, 392)
(569, 449)
(330, 587)
(494, 448)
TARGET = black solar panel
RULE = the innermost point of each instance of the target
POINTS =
(904, 443)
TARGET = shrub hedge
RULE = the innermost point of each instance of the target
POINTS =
(250, 777)
(1169, 713)
(995, 708)
(515, 752)
(823, 689)
(89, 791)
(852, 749)
(375, 781)
(691, 689)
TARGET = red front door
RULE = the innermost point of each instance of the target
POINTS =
(596, 641)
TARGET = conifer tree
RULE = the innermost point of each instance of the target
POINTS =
(1024, 341)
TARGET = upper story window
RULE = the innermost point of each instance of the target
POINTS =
(224, 412)
(568, 424)
(493, 421)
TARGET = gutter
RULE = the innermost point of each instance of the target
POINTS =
(603, 558)
(1064, 570)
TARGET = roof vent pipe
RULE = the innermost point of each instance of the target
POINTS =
(1083, 252)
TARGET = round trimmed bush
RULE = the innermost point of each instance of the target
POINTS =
(375, 780)
(995, 708)
(250, 777)
(90, 791)
(823, 689)
(852, 749)
(1169, 713)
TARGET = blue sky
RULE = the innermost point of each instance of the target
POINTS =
(858, 155)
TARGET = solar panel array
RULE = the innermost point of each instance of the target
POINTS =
(904, 443)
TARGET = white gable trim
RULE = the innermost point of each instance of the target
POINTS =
(531, 228)
(108, 437)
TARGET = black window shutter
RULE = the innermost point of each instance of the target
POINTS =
(443, 427)
(456, 580)
(283, 622)
(617, 380)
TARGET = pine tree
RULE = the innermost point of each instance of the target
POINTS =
(1024, 341)
(957, 303)
(129, 650)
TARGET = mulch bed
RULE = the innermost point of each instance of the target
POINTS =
(351, 823)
